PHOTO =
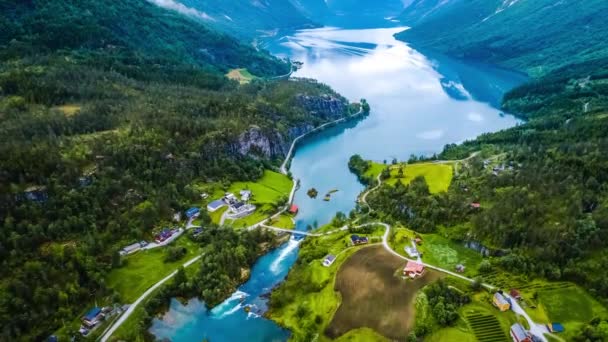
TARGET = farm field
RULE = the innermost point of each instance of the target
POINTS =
(374, 295)
(242, 75)
(437, 176)
(283, 221)
(309, 287)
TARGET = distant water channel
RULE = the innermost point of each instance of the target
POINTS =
(420, 102)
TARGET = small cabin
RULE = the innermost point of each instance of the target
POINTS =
(501, 302)
(358, 240)
(515, 294)
(293, 209)
(328, 260)
(192, 212)
(519, 334)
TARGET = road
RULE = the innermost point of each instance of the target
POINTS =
(134, 305)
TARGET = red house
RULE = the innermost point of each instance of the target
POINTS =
(293, 209)
(475, 205)
(413, 269)
(515, 294)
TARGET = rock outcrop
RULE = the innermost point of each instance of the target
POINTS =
(325, 106)
(258, 142)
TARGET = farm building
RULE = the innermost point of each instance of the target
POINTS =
(240, 209)
(192, 212)
(132, 248)
(501, 302)
(413, 269)
(515, 294)
(555, 327)
(215, 205)
(519, 334)
(412, 251)
(293, 209)
(358, 240)
(92, 317)
(329, 259)
(245, 195)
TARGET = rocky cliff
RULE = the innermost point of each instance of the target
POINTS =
(260, 142)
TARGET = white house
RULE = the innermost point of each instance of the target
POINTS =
(329, 259)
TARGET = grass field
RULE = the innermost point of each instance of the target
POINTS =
(374, 170)
(283, 221)
(374, 296)
(243, 76)
(145, 268)
(439, 251)
(437, 176)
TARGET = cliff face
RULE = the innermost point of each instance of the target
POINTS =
(326, 106)
(259, 142)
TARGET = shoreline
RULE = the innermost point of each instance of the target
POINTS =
(284, 169)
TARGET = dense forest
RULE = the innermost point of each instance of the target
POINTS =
(109, 111)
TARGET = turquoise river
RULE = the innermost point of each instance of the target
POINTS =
(419, 101)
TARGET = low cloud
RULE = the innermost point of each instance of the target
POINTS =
(181, 8)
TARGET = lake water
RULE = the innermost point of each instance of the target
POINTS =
(420, 102)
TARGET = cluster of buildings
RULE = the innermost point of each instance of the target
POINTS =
(239, 207)
(93, 318)
(165, 234)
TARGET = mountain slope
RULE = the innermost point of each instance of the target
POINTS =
(245, 19)
(124, 31)
(529, 35)
(110, 112)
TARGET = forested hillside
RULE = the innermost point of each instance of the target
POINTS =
(535, 36)
(109, 110)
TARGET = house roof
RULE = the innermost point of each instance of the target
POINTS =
(557, 327)
(475, 205)
(293, 208)
(237, 205)
(500, 298)
(216, 204)
(192, 211)
(514, 293)
(132, 246)
(518, 331)
(413, 266)
(358, 238)
(92, 313)
(330, 257)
